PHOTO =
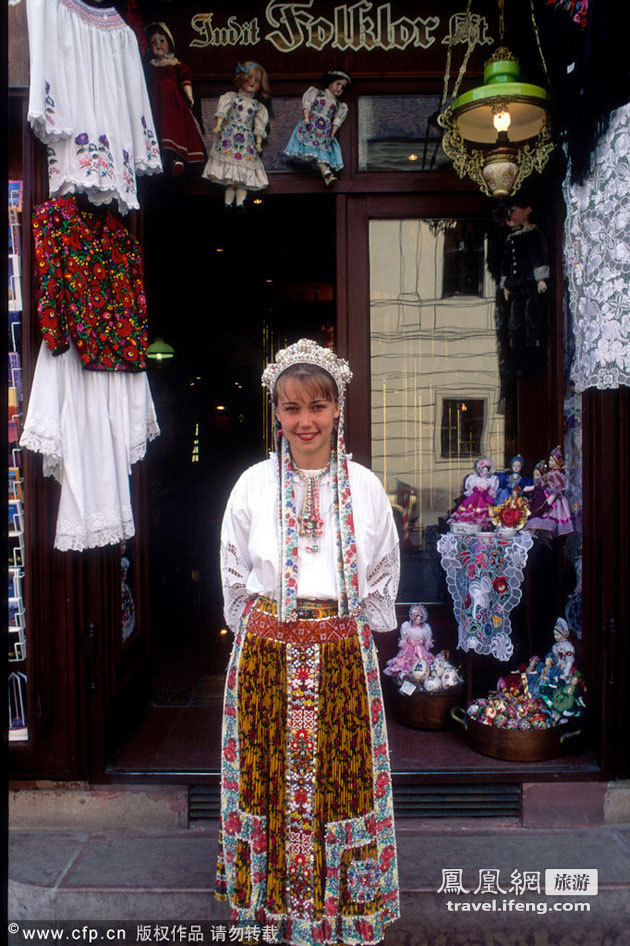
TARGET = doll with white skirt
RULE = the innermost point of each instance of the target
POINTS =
(314, 140)
(241, 126)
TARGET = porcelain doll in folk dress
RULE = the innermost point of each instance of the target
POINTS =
(415, 644)
(170, 87)
(556, 518)
(241, 122)
(480, 489)
(535, 494)
(512, 477)
(314, 139)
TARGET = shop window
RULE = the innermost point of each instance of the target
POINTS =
(399, 133)
(463, 260)
(436, 403)
(462, 427)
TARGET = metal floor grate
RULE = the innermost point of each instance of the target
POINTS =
(457, 801)
(410, 801)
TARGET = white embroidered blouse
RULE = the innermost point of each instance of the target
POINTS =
(250, 554)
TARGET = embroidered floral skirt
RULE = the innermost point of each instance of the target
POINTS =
(307, 819)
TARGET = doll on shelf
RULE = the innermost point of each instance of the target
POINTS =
(535, 494)
(555, 518)
(241, 123)
(480, 489)
(415, 644)
(170, 87)
(512, 477)
(512, 514)
(314, 139)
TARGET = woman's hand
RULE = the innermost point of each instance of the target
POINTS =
(258, 144)
(217, 127)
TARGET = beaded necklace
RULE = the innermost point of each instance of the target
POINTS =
(310, 519)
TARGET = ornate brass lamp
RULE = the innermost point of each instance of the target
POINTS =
(498, 133)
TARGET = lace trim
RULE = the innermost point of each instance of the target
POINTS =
(379, 607)
(234, 575)
(141, 435)
(42, 435)
(94, 531)
(597, 262)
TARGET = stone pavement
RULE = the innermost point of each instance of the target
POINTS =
(156, 884)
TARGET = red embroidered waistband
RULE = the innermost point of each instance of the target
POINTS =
(317, 623)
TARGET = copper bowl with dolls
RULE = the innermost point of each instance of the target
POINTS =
(513, 745)
(422, 710)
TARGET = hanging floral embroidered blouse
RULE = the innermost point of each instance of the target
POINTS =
(91, 292)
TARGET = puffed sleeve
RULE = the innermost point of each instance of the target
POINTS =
(184, 74)
(309, 97)
(260, 121)
(49, 108)
(340, 115)
(223, 106)
(378, 605)
(236, 563)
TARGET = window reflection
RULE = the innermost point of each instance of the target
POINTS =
(435, 381)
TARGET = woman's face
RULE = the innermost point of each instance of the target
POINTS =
(537, 475)
(517, 466)
(307, 421)
(337, 86)
(484, 469)
(251, 82)
(553, 463)
(159, 46)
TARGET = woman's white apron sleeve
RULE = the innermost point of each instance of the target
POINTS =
(383, 566)
(235, 559)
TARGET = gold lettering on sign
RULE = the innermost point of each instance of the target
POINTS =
(232, 33)
(465, 28)
(363, 25)
(354, 26)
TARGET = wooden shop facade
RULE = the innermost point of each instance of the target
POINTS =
(397, 263)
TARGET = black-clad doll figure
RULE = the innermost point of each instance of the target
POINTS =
(524, 281)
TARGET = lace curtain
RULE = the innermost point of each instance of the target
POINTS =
(597, 261)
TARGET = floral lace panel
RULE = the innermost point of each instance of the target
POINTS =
(597, 261)
(484, 574)
(234, 575)
(379, 606)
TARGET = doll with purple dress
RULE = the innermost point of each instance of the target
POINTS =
(480, 489)
(555, 518)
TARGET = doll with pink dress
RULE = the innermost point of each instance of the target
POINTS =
(480, 489)
(415, 644)
(555, 517)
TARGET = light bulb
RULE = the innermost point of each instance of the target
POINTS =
(502, 120)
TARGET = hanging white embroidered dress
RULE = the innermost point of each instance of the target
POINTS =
(88, 101)
(91, 427)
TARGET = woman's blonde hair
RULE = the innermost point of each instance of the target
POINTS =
(316, 380)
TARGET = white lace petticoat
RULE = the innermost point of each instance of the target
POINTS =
(90, 426)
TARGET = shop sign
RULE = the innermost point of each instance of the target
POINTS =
(357, 27)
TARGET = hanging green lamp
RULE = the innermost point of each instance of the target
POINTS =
(498, 133)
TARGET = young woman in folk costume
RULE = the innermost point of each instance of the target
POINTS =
(310, 566)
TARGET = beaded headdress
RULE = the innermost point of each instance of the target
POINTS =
(308, 352)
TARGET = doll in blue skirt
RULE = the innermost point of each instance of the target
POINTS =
(314, 139)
